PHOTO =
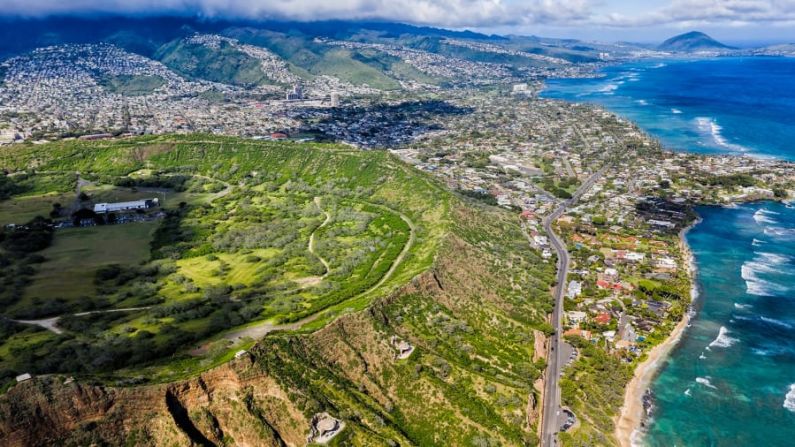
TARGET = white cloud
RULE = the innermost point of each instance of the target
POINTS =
(452, 13)
(721, 12)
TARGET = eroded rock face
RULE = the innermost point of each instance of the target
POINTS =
(235, 401)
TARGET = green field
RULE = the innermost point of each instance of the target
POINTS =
(19, 210)
(76, 253)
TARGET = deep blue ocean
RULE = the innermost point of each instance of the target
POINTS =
(731, 379)
(724, 105)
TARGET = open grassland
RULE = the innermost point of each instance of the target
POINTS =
(75, 255)
(19, 210)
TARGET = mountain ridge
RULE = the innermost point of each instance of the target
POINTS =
(693, 41)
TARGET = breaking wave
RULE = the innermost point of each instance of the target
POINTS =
(768, 320)
(608, 89)
(711, 127)
(764, 263)
(676, 111)
(775, 322)
(706, 382)
(723, 340)
(762, 216)
(742, 306)
(789, 400)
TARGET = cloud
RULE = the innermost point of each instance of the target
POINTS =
(454, 13)
(450, 13)
(716, 12)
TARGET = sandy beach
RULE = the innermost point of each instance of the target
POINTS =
(632, 413)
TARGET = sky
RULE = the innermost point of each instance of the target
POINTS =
(734, 21)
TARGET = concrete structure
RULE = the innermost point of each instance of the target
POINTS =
(105, 208)
(324, 428)
(24, 377)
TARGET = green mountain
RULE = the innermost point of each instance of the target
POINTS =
(692, 42)
(311, 58)
(223, 63)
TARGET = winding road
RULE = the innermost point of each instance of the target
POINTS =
(551, 405)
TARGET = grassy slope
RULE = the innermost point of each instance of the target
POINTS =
(308, 59)
(224, 64)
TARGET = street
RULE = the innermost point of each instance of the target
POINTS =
(551, 410)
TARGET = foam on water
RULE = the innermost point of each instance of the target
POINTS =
(608, 89)
(764, 264)
(711, 127)
(789, 399)
(768, 320)
(723, 340)
(706, 382)
(762, 216)
(742, 306)
(676, 111)
(774, 322)
(780, 232)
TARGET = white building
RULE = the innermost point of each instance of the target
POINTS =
(575, 289)
(24, 377)
(105, 208)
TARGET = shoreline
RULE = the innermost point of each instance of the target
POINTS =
(632, 414)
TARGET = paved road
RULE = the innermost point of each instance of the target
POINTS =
(555, 362)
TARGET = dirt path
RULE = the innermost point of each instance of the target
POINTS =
(51, 324)
(224, 192)
(311, 245)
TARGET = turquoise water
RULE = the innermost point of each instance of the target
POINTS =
(717, 106)
(731, 380)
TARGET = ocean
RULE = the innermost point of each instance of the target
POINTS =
(731, 379)
(715, 106)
